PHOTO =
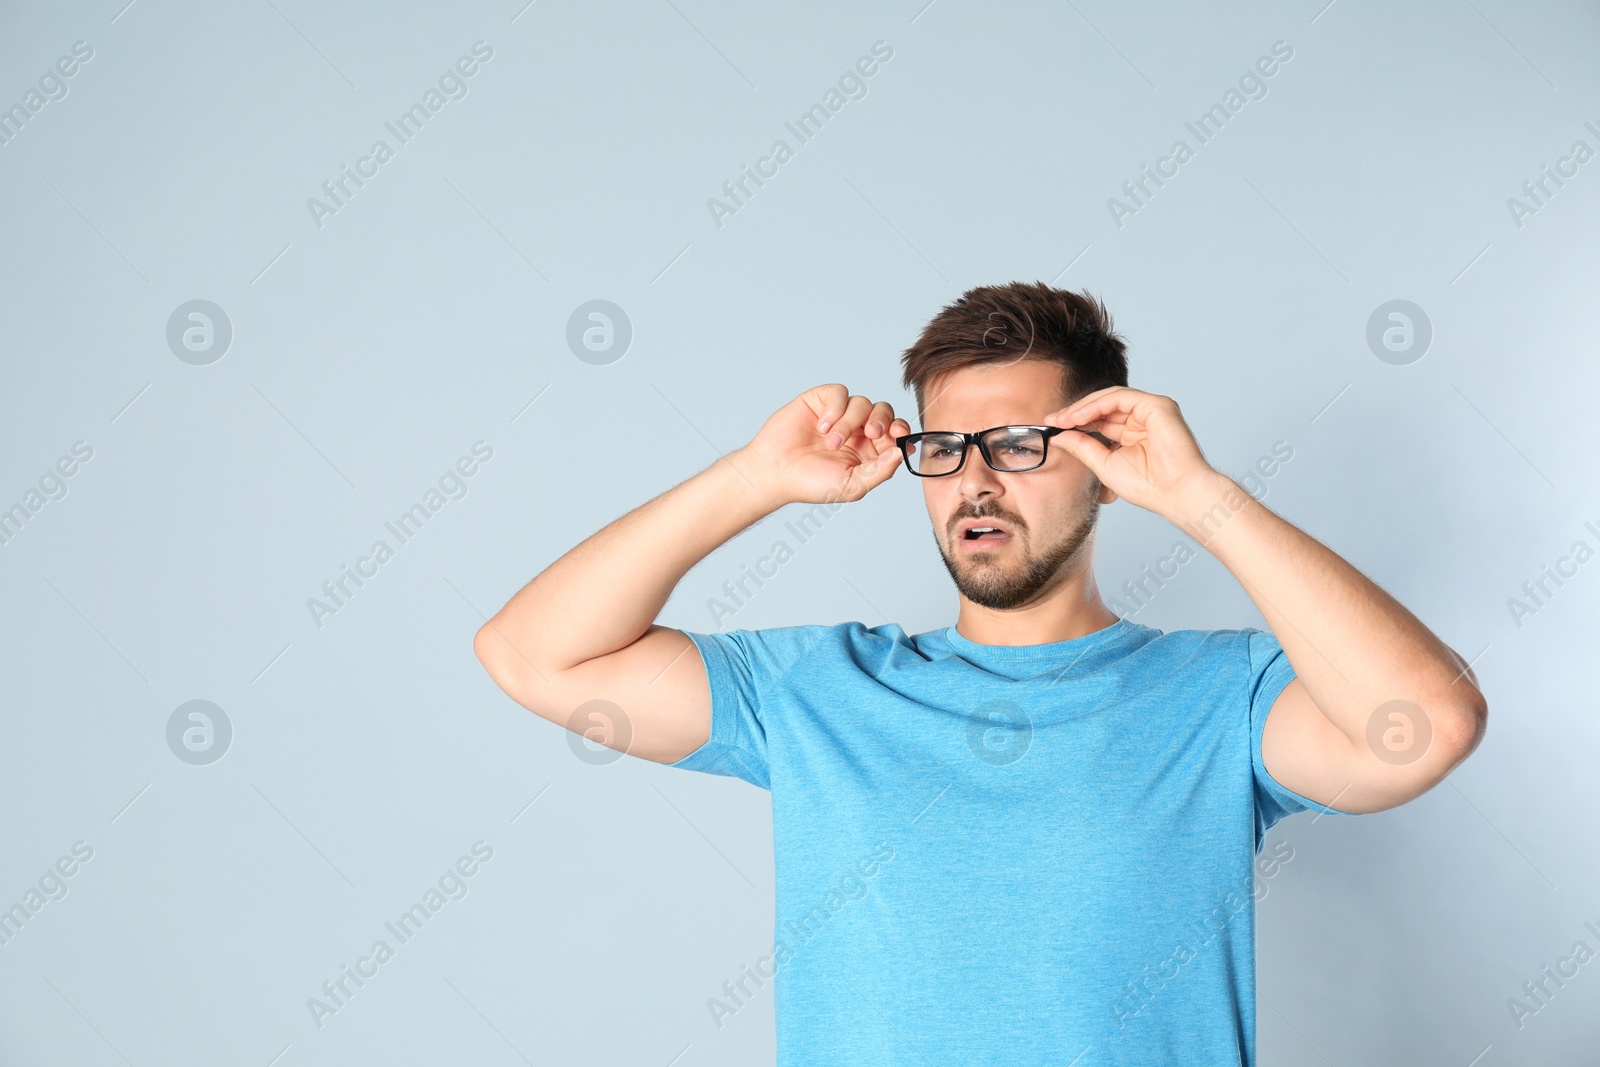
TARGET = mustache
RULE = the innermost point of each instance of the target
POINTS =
(1014, 523)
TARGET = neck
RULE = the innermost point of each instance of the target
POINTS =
(1073, 610)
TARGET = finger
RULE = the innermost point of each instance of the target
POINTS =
(828, 401)
(846, 426)
(1113, 430)
(1110, 418)
(888, 429)
(1117, 398)
(1114, 418)
(1088, 411)
(878, 431)
(897, 429)
(878, 420)
(871, 473)
(1086, 450)
(1081, 401)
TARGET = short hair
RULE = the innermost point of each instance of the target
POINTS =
(1004, 323)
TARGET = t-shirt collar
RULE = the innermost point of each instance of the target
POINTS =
(984, 655)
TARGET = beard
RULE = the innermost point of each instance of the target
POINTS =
(1004, 584)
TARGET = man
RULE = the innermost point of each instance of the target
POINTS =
(1027, 838)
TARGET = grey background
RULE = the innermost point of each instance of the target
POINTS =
(431, 312)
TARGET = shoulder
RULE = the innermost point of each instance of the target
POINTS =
(851, 634)
(1239, 640)
(1246, 649)
(773, 651)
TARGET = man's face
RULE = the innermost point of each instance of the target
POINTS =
(1049, 512)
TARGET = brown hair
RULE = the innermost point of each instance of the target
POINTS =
(1005, 323)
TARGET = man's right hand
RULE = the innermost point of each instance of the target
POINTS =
(825, 445)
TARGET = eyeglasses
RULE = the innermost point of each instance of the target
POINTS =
(934, 454)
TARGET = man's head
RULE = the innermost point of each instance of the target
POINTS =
(1008, 356)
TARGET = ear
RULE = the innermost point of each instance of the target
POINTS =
(1107, 495)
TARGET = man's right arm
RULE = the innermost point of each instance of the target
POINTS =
(584, 628)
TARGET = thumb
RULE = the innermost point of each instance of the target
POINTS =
(870, 474)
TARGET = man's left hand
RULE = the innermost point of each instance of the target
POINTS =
(1154, 462)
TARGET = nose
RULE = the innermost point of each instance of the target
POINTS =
(976, 479)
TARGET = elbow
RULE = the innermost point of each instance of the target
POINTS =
(480, 644)
(488, 645)
(511, 670)
(1463, 729)
(1480, 722)
(1471, 719)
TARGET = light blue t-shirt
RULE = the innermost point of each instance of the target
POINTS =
(1007, 855)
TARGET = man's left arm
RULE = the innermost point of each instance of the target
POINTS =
(1380, 709)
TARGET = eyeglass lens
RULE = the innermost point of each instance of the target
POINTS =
(1013, 448)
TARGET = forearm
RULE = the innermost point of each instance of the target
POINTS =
(1352, 645)
(604, 593)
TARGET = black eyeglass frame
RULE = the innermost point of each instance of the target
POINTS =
(908, 441)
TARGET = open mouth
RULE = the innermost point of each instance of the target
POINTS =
(983, 538)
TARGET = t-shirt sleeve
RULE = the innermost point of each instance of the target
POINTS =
(746, 670)
(1270, 671)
